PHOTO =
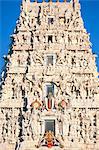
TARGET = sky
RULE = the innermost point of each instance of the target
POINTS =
(9, 13)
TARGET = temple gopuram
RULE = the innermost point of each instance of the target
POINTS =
(49, 90)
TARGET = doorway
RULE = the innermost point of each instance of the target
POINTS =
(50, 126)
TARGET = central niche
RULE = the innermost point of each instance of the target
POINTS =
(49, 89)
(50, 125)
(50, 60)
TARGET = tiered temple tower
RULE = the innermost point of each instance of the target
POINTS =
(50, 89)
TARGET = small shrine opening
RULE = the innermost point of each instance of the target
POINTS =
(50, 60)
(50, 39)
(49, 89)
(50, 20)
(50, 125)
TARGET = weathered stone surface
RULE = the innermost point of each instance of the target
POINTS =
(51, 77)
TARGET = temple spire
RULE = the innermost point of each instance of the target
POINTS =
(49, 95)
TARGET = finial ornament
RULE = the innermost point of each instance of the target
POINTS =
(28, 1)
(35, 1)
(50, 1)
(57, 1)
(76, 1)
(76, 4)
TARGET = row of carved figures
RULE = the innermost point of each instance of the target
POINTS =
(33, 89)
(39, 14)
(70, 60)
(68, 39)
(74, 126)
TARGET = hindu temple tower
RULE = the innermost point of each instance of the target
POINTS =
(50, 89)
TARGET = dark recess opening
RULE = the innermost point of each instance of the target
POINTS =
(50, 39)
(50, 126)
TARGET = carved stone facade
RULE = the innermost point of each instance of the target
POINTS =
(50, 89)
